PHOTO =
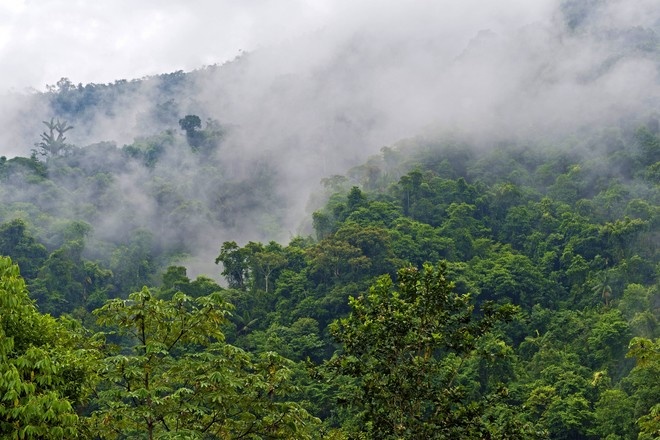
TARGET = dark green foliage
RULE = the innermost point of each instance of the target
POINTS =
(234, 263)
(201, 140)
(16, 242)
(566, 230)
(175, 281)
(505, 276)
(645, 385)
(556, 238)
(190, 123)
(407, 349)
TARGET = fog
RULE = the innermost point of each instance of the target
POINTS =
(321, 96)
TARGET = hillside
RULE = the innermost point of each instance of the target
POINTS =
(392, 237)
(566, 233)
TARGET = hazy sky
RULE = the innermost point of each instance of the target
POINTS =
(42, 41)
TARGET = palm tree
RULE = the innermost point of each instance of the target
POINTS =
(244, 323)
(52, 144)
(603, 288)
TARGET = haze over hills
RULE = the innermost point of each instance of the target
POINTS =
(298, 111)
(426, 220)
(317, 105)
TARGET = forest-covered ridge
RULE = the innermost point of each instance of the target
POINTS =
(565, 234)
(232, 253)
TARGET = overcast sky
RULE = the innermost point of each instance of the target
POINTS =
(86, 41)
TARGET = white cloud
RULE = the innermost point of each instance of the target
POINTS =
(42, 41)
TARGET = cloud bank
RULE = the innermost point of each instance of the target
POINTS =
(319, 86)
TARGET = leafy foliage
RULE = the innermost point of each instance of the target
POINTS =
(407, 350)
(564, 230)
(45, 369)
(52, 142)
(180, 378)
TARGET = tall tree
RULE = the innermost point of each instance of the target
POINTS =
(180, 380)
(192, 124)
(407, 349)
(234, 261)
(52, 141)
(646, 379)
(45, 371)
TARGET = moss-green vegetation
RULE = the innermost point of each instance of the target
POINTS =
(541, 322)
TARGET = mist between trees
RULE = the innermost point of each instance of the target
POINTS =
(282, 210)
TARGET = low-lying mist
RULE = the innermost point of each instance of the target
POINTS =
(318, 104)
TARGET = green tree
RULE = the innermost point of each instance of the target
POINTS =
(646, 379)
(132, 264)
(180, 380)
(635, 305)
(52, 141)
(59, 287)
(406, 349)
(264, 262)
(175, 280)
(234, 261)
(16, 242)
(192, 124)
(614, 415)
(45, 370)
(622, 235)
